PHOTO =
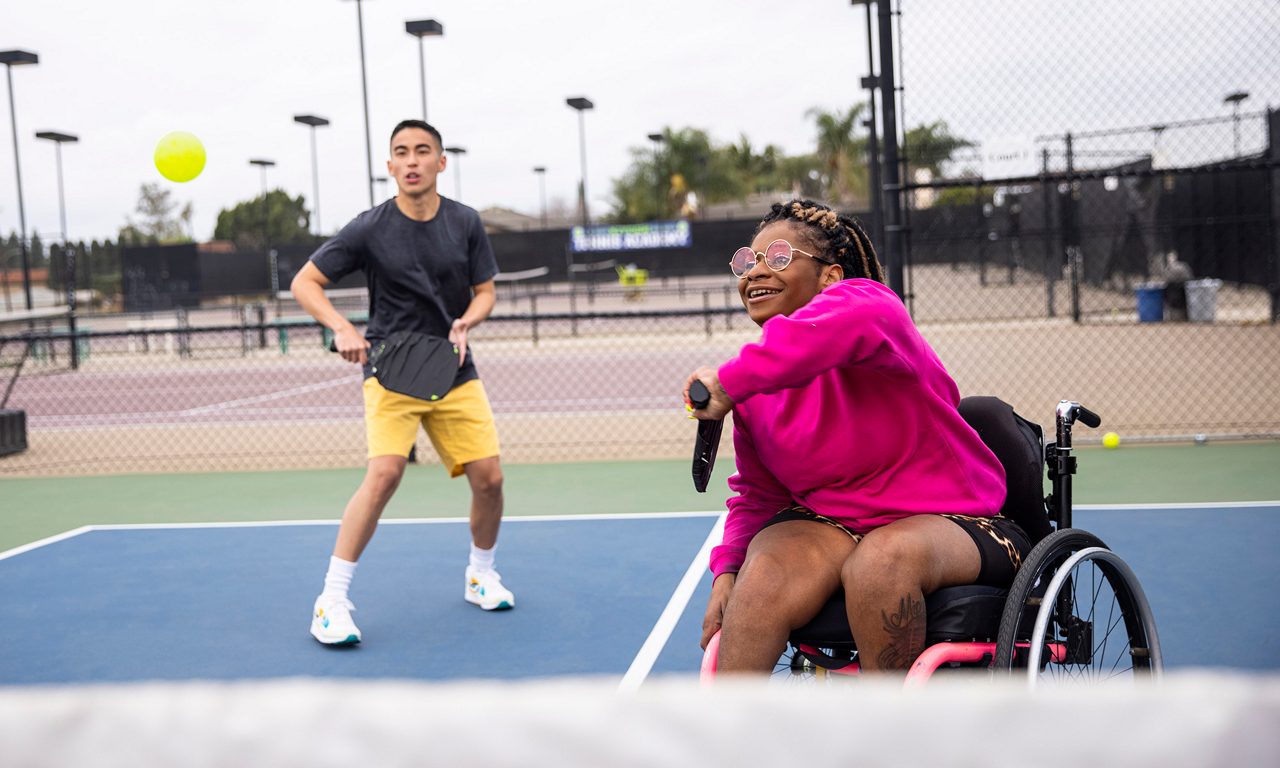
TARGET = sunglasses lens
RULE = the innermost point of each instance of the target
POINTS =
(778, 255)
(742, 262)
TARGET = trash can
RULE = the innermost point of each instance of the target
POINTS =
(1150, 302)
(1202, 300)
(13, 431)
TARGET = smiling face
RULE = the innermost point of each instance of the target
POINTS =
(416, 160)
(766, 293)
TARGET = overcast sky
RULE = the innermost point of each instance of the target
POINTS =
(121, 74)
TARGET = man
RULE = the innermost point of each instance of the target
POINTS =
(430, 270)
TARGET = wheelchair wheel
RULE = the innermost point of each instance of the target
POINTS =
(805, 666)
(1077, 614)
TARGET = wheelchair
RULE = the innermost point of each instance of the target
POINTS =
(1074, 614)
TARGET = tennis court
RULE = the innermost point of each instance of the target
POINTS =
(598, 595)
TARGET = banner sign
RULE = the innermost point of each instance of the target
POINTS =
(631, 237)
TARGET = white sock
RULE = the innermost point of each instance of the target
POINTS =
(482, 559)
(338, 580)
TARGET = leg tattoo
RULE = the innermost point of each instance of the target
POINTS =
(905, 630)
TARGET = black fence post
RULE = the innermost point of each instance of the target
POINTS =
(69, 255)
(184, 333)
(1051, 271)
(261, 310)
(706, 311)
(533, 313)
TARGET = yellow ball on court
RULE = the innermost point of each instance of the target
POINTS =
(1111, 440)
(179, 156)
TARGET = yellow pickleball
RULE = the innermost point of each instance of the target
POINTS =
(179, 156)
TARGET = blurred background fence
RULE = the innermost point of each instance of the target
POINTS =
(1101, 226)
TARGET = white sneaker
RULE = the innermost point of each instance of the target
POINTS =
(484, 588)
(331, 622)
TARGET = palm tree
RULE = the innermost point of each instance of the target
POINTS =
(842, 153)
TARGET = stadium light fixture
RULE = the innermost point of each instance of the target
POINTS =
(364, 89)
(420, 29)
(314, 122)
(1234, 100)
(58, 140)
(541, 170)
(581, 104)
(11, 59)
(457, 152)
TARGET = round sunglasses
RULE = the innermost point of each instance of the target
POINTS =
(777, 256)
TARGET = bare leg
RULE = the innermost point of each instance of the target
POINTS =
(381, 478)
(791, 570)
(485, 476)
(885, 581)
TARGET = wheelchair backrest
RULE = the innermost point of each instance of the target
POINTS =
(1019, 445)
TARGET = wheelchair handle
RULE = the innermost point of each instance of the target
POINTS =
(1089, 418)
(1070, 412)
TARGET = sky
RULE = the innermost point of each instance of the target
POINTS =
(122, 74)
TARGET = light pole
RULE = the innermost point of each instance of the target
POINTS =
(421, 29)
(657, 139)
(314, 122)
(10, 59)
(266, 237)
(68, 253)
(581, 104)
(1234, 100)
(457, 152)
(59, 139)
(541, 170)
(364, 89)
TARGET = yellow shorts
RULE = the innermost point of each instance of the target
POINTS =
(460, 424)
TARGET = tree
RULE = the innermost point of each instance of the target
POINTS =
(930, 145)
(161, 219)
(689, 171)
(842, 155)
(277, 217)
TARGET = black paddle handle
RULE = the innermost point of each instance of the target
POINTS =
(708, 440)
(699, 395)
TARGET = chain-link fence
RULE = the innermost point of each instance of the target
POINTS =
(210, 391)
(1101, 227)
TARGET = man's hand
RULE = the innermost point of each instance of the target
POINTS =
(720, 589)
(351, 344)
(458, 335)
(720, 404)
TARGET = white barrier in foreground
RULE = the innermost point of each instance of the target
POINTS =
(1192, 719)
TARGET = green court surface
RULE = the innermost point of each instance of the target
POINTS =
(35, 508)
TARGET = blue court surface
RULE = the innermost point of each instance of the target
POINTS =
(615, 596)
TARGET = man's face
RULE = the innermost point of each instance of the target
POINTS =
(415, 161)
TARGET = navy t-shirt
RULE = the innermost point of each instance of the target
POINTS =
(420, 273)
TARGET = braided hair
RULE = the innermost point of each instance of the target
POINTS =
(839, 235)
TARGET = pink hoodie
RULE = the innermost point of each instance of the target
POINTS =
(843, 408)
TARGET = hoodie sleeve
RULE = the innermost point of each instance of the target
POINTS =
(854, 322)
(759, 497)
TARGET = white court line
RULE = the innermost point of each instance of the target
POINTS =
(394, 521)
(662, 630)
(386, 521)
(314, 387)
(45, 542)
(1181, 505)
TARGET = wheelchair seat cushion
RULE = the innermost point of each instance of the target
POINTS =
(1018, 444)
(966, 613)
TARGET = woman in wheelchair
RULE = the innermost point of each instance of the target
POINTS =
(855, 470)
